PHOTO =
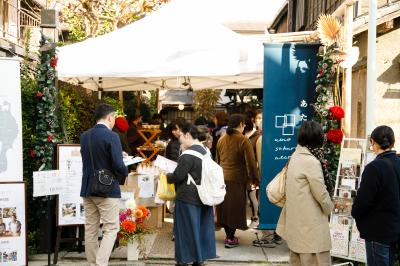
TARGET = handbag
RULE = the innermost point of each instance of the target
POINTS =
(165, 191)
(276, 189)
(102, 183)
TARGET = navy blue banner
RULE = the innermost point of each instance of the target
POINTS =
(289, 76)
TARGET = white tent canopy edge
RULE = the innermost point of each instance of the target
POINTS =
(165, 49)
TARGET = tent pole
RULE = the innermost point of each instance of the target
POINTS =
(121, 97)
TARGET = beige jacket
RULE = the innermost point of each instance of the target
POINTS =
(304, 219)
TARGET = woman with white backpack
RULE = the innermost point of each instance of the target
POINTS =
(193, 220)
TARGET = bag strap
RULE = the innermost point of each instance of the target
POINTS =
(198, 155)
(90, 149)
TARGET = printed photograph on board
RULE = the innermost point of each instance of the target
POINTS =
(69, 210)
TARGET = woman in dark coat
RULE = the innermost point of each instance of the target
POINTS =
(376, 207)
(236, 156)
(174, 146)
(193, 221)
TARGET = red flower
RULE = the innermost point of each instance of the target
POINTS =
(335, 136)
(128, 212)
(321, 71)
(122, 124)
(39, 94)
(53, 61)
(49, 138)
(33, 153)
(129, 226)
(337, 112)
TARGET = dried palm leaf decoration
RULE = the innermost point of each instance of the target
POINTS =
(329, 28)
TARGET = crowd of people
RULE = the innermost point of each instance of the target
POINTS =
(234, 142)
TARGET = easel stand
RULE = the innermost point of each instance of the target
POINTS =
(49, 198)
(79, 237)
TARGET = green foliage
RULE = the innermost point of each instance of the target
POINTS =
(47, 120)
(36, 206)
(205, 102)
(324, 99)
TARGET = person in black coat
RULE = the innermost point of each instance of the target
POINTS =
(172, 150)
(376, 207)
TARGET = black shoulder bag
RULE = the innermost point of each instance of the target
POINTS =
(102, 183)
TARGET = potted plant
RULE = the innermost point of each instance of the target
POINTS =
(133, 228)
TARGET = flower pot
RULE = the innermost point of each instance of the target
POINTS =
(132, 250)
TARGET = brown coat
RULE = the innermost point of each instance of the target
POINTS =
(236, 156)
(304, 218)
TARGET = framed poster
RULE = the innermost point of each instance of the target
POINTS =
(70, 204)
(10, 121)
(12, 224)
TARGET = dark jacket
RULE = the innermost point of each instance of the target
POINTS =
(376, 208)
(172, 150)
(187, 163)
(107, 154)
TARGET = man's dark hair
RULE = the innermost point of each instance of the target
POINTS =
(200, 121)
(191, 129)
(234, 122)
(384, 136)
(102, 111)
(310, 134)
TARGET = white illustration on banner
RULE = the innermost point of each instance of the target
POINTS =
(287, 123)
(303, 117)
(303, 103)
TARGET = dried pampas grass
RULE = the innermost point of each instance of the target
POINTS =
(329, 29)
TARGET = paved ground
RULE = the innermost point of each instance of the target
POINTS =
(161, 252)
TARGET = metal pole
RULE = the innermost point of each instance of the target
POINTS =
(371, 67)
(348, 18)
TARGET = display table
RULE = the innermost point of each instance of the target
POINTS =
(156, 210)
(148, 147)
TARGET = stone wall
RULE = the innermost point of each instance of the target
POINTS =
(387, 92)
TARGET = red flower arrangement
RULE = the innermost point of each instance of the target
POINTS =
(335, 136)
(132, 222)
(53, 61)
(121, 124)
(39, 94)
(337, 112)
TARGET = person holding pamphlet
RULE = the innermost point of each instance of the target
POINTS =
(376, 207)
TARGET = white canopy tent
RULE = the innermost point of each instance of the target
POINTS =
(176, 47)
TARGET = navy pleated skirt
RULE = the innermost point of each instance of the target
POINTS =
(194, 232)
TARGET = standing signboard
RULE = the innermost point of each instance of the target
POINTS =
(70, 204)
(10, 121)
(289, 76)
(12, 224)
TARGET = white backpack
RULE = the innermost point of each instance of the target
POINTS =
(212, 187)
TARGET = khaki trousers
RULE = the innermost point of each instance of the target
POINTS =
(310, 259)
(106, 209)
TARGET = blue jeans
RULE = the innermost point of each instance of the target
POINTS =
(379, 254)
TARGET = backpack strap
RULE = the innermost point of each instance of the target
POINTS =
(196, 154)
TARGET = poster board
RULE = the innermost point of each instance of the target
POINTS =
(346, 241)
(10, 121)
(70, 205)
(13, 224)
